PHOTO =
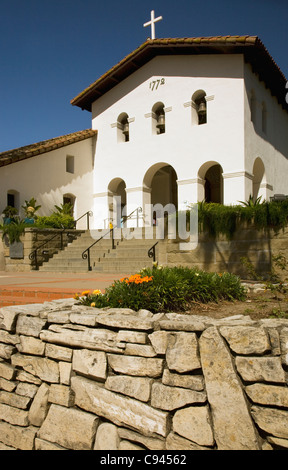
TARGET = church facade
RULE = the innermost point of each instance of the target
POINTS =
(177, 121)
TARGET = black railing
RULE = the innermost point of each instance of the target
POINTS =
(34, 254)
(127, 217)
(152, 252)
(87, 214)
(86, 253)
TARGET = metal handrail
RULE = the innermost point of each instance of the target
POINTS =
(86, 253)
(33, 254)
(88, 214)
(152, 252)
(126, 217)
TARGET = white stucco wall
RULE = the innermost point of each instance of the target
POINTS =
(184, 146)
(229, 139)
(44, 177)
(270, 144)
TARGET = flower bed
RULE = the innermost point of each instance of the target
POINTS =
(166, 289)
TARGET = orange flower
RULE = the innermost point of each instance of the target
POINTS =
(97, 292)
(85, 292)
(136, 279)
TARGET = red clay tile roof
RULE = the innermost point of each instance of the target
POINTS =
(251, 46)
(22, 153)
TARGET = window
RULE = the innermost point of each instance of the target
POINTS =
(70, 164)
(11, 200)
(69, 202)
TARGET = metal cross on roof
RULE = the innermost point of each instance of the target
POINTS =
(152, 23)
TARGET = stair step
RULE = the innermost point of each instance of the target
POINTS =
(130, 255)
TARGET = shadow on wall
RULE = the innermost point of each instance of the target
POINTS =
(220, 255)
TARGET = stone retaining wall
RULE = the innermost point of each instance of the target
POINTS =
(219, 254)
(74, 377)
(31, 239)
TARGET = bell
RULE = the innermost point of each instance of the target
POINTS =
(126, 129)
(161, 122)
(202, 108)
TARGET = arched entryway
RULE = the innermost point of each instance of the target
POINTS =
(116, 202)
(211, 174)
(160, 189)
(259, 179)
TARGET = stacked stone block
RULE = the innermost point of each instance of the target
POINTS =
(74, 377)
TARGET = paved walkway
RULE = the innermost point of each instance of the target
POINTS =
(58, 281)
(35, 286)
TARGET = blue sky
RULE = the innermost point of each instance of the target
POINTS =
(50, 50)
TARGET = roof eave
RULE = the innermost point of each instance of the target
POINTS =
(23, 153)
(250, 46)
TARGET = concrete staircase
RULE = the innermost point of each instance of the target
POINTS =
(128, 255)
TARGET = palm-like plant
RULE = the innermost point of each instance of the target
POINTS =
(251, 202)
(31, 207)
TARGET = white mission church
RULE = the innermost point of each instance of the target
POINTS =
(176, 121)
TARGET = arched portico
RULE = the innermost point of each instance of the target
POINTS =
(211, 182)
(116, 201)
(159, 188)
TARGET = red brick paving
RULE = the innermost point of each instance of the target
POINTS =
(37, 287)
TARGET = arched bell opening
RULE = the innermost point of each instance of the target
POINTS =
(199, 108)
(123, 128)
(158, 121)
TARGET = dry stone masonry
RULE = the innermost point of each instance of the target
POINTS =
(74, 377)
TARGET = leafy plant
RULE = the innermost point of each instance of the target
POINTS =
(218, 219)
(31, 207)
(250, 269)
(55, 221)
(166, 289)
(14, 230)
(251, 202)
(64, 209)
(10, 212)
(273, 283)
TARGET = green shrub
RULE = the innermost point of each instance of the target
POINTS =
(13, 230)
(166, 290)
(55, 220)
(10, 212)
(218, 219)
(66, 209)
